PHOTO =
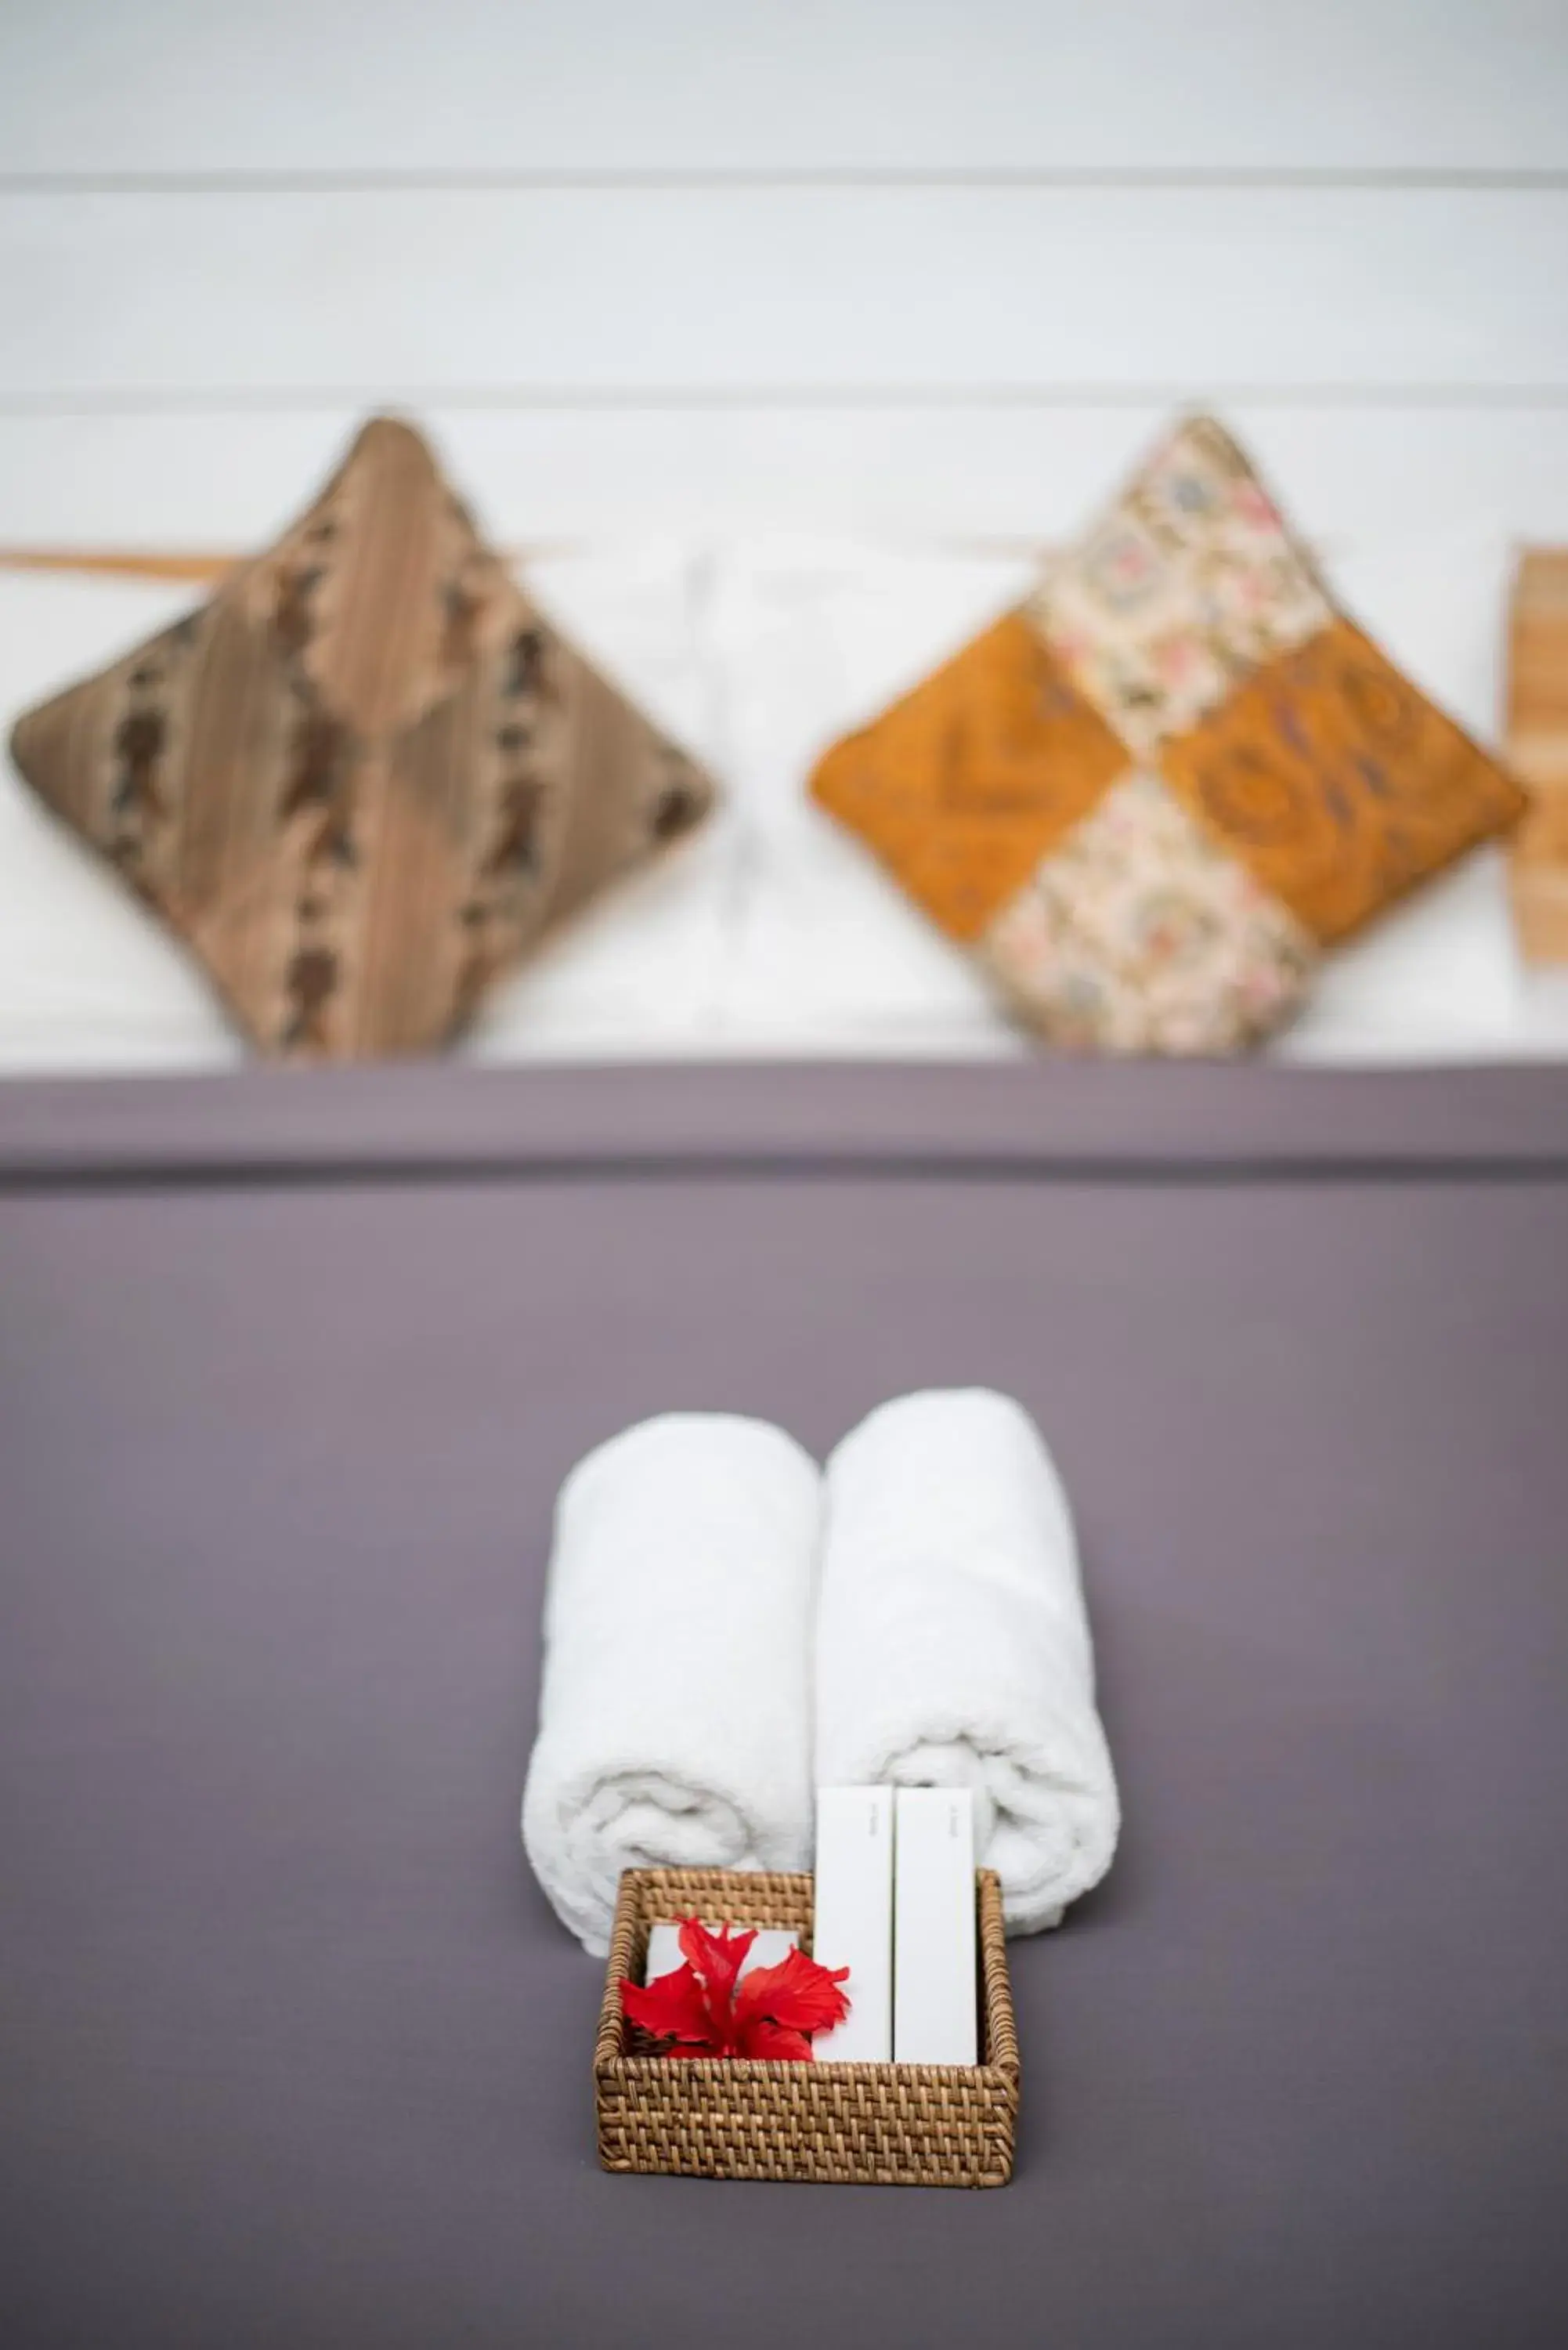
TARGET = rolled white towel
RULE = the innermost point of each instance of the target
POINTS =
(675, 1711)
(952, 1646)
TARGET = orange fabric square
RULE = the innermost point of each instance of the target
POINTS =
(963, 786)
(1336, 781)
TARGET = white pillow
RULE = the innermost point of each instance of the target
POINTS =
(813, 637)
(774, 930)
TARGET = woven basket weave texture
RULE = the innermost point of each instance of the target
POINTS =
(726, 2117)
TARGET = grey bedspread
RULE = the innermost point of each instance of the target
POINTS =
(292, 2051)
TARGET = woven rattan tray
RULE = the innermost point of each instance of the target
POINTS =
(729, 2118)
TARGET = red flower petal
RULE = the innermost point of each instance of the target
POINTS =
(760, 2038)
(703, 2010)
(798, 1994)
(717, 1957)
(673, 2007)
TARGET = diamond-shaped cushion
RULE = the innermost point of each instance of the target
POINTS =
(366, 776)
(1211, 774)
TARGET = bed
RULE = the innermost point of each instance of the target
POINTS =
(720, 325)
(290, 1367)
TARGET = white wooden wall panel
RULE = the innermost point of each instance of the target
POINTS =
(426, 295)
(287, 87)
(1351, 475)
(936, 266)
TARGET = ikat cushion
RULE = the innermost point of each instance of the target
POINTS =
(368, 775)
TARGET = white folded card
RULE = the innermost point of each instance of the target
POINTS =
(774, 1943)
(854, 1918)
(935, 1984)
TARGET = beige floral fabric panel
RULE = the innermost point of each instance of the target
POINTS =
(1140, 935)
(1187, 585)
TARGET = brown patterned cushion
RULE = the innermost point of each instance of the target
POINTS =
(1153, 795)
(364, 777)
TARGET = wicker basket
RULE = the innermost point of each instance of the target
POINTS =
(731, 2117)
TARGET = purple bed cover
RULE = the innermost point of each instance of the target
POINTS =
(291, 2050)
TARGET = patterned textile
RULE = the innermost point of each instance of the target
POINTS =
(1336, 782)
(1201, 774)
(964, 783)
(1186, 586)
(364, 778)
(1138, 935)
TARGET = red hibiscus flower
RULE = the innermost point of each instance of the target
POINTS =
(705, 2009)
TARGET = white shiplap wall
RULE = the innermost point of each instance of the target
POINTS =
(929, 268)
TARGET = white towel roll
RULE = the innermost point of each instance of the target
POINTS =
(675, 1712)
(952, 1646)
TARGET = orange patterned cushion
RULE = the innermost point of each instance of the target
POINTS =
(1151, 795)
